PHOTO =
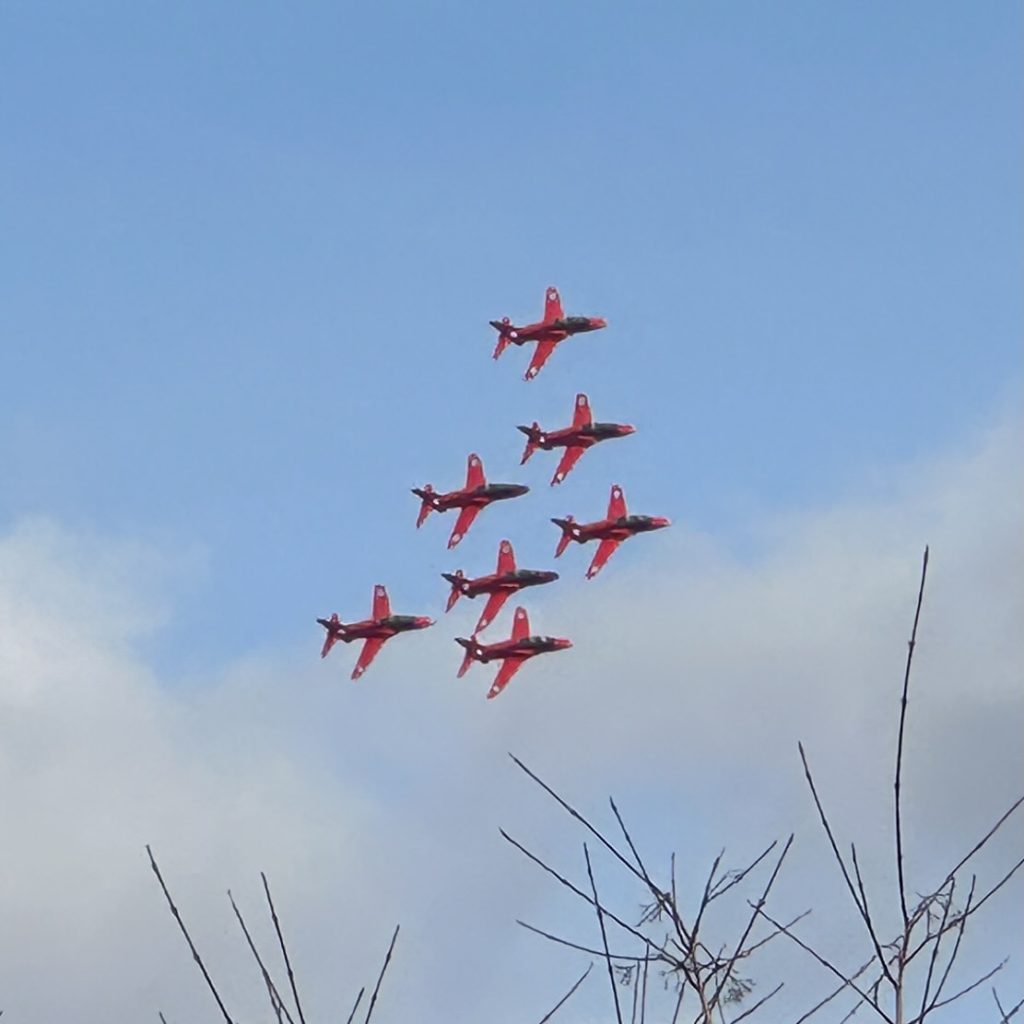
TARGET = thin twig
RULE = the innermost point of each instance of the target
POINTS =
(899, 745)
(588, 949)
(355, 1005)
(828, 999)
(188, 938)
(275, 997)
(579, 817)
(757, 1005)
(1004, 1016)
(380, 977)
(284, 948)
(848, 982)
(572, 888)
(973, 985)
(961, 923)
(604, 934)
(979, 844)
(750, 924)
(946, 907)
(568, 995)
(861, 909)
(725, 884)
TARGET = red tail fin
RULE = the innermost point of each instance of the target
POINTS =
(568, 527)
(426, 493)
(471, 650)
(506, 332)
(455, 579)
(533, 439)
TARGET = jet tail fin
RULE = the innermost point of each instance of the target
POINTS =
(566, 525)
(533, 435)
(505, 334)
(471, 653)
(426, 494)
(455, 579)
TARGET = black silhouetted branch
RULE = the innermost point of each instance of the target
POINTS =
(848, 981)
(188, 938)
(355, 1005)
(581, 948)
(1005, 1016)
(604, 934)
(568, 995)
(380, 977)
(899, 743)
(275, 997)
(284, 948)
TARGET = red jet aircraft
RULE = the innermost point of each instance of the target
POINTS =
(583, 434)
(474, 496)
(611, 531)
(375, 631)
(555, 327)
(502, 583)
(512, 652)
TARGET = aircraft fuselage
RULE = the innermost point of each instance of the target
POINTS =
(507, 581)
(616, 529)
(478, 496)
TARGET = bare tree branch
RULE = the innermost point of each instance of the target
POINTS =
(861, 909)
(758, 1004)
(848, 982)
(355, 1005)
(284, 948)
(275, 997)
(568, 995)
(630, 958)
(579, 892)
(899, 745)
(1005, 1016)
(604, 936)
(188, 938)
(380, 977)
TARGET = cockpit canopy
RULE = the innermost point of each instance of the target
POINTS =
(532, 642)
(401, 620)
(570, 322)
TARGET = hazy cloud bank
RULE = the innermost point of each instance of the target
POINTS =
(693, 675)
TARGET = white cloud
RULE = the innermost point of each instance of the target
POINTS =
(693, 675)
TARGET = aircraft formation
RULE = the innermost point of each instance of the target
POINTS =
(507, 579)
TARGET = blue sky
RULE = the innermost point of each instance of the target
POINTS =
(248, 252)
(249, 258)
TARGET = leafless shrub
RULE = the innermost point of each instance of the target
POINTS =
(905, 979)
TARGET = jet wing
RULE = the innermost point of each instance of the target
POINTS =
(582, 417)
(474, 473)
(462, 524)
(616, 503)
(367, 654)
(491, 609)
(381, 604)
(509, 667)
(605, 550)
(540, 356)
(552, 306)
(506, 558)
(521, 625)
(569, 459)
